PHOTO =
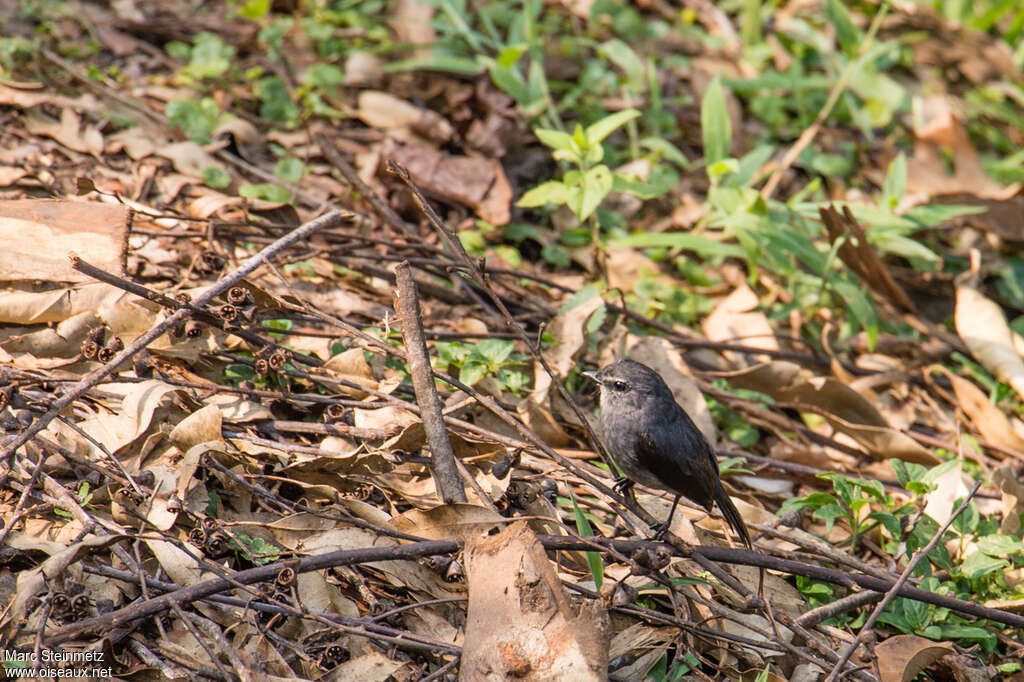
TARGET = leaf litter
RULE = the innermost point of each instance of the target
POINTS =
(277, 426)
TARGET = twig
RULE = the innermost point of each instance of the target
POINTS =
(187, 595)
(894, 591)
(94, 378)
(124, 616)
(833, 609)
(446, 472)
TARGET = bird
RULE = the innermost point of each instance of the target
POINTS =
(655, 442)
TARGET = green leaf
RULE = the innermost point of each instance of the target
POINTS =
(596, 132)
(195, 118)
(895, 181)
(267, 192)
(462, 66)
(666, 150)
(850, 39)
(661, 180)
(472, 371)
(996, 545)
(556, 139)
(216, 177)
(323, 76)
(550, 192)
(290, 168)
(584, 529)
(596, 184)
(518, 232)
(509, 80)
(556, 255)
(932, 475)
(276, 102)
(579, 298)
(714, 122)
(495, 351)
(623, 56)
(699, 244)
(254, 9)
(210, 57)
(980, 564)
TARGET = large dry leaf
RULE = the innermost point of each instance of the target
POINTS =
(845, 409)
(993, 425)
(187, 157)
(115, 431)
(980, 322)
(938, 129)
(521, 623)
(860, 256)
(478, 183)
(26, 99)
(97, 233)
(735, 319)
(384, 110)
(447, 521)
(902, 657)
(68, 130)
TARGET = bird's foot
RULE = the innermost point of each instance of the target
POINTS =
(659, 530)
(622, 484)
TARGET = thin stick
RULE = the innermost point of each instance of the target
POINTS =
(446, 471)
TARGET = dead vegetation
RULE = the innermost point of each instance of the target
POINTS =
(290, 381)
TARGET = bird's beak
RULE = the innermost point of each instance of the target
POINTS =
(592, 375)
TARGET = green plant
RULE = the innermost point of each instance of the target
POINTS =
(256, 550)
(196, 118)
(584, 188)
(490, 357)
(985, 554)
(585, 530)
(208, 57)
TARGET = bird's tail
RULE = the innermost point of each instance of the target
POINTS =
(732, 515)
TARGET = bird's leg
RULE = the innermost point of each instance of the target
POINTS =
(622, 484)
(659, 529)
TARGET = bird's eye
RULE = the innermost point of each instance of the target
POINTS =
(619, 385)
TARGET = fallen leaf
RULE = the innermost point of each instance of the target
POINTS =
(903, 657)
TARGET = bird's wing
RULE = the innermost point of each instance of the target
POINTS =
(680, 458)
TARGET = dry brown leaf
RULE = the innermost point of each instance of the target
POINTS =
(568, 329)
(938, 128)
(384, 110)
(138, 142)
(466, 180)
(68, 130)
(902, 657)
(447, 521)
(860, 256)
(991, 422)
(32, 581)
(117, 430)
(1007, 478)
(96, 232)
(845, 409)
(26, 99)
(187, 158)
(980, 322)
